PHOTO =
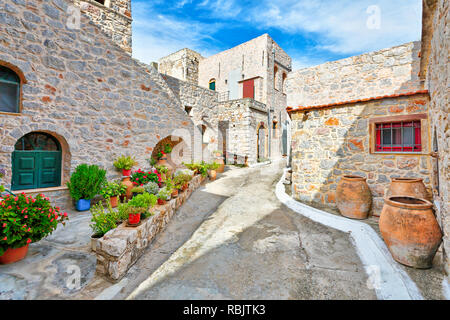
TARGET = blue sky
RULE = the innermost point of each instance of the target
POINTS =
(311, 32)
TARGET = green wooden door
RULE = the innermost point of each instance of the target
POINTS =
(36, 169)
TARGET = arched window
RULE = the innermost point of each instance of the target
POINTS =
(36, 162)
(212, 84)
(9, 91)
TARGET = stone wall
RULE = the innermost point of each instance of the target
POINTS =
(114, 18)
(437, 83)
(120, 248)
(329, 143)
(374, 74)
(182, 65)
(83, 89)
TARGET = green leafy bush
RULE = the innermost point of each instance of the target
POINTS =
(86, 182)
(145, 200)
(103, 220)
(138, 190)
(24, 219)
(125, 163)
(164, 194)
(113, 189)
(213, 166)
(152, 188)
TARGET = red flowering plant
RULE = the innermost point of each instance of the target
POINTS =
(141, 178)
(24, 219)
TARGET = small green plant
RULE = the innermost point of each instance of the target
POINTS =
(201, 167)
(122, 211)
(162, 169)
(125, 163)
(113, 189)
(139, 190)
(2, 174)
(102, 220)
(152, 188)
(213, 166)
(164, 194)
(152, 162)
(86, 182)
(145, 200)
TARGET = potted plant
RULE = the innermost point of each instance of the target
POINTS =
(111, 191)
(152, 162)
(182, 181)
(125, 164)
(85, 183)
(137, 191)
(141, 178)
(102, 222)
(139, 205)
(163, 196)
(23, 220)
(170, 184)
(2, 174)
(152, 188)
(212, 170)
(163, 171)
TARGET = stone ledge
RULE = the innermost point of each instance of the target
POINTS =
(120, 248)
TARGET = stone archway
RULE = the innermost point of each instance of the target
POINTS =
(178, 146)
(262, 141)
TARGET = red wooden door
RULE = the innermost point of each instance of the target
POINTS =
(249, 89)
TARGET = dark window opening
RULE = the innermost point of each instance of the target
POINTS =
(9, 91)
(100, 1)
(398, 137)
(188, 110)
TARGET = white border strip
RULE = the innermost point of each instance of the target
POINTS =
(394, 284)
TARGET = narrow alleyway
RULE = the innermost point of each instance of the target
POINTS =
(250, 247)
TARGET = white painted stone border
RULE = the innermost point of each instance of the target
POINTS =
(395, 284)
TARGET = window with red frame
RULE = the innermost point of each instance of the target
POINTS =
(398, 137)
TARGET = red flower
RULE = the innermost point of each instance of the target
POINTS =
(26, 217)
(5, 238)
(65, 214)
(4, 225)
(28, 241)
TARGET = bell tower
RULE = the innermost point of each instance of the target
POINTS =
(113, 17)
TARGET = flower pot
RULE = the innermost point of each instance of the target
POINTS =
(13, 255)
(212, 175)
(414, 188)
(83, 205)
(175, 193)
(94, 241)
(221, 164)
(134, 219)
(353, 197)
(114, 201)
(127, 182)
(184, 187)
(126, 173)
(161, 202)
(410, 230)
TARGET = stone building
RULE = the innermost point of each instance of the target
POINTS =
(113, 17)
(380, 115)
(254, 71)
(74, 95)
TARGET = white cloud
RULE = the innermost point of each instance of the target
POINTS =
(156, 35)
(341, 26)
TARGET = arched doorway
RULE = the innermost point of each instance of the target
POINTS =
(178, 147)
(262, 141)
(36, 162)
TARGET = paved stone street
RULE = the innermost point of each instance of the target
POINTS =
(251, 247)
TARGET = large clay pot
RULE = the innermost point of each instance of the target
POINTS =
(14, 255)
(127, 182)
(414, 188)
(221, 164)
(410, 230)
(212, 175)
(114, 201)
(353, 197)
(166, 161)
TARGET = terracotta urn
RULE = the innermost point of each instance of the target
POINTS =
(174, 193)
(221, 163)
(166, 161)
(414, 188)
(212, 175)
(410, 230)
(114, 201)
(127, 182)
(353, 197)
(13, 255)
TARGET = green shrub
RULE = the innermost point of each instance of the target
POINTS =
(102, 220)
(213, 166)
(86, 182)
(164, 194)
(138, 190)
(152, 188)
(125, 163)
(145, 200)
(113, 189)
